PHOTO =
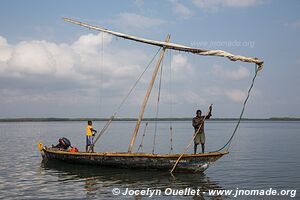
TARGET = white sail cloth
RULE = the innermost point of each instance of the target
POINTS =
(173, 46)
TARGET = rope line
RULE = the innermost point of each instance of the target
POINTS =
(157, 106)
(171, 105)
(236, 127)
(188, 146)
(123, 101)
(242, 112)
(101, 76)
(171, 140)
(142, 141)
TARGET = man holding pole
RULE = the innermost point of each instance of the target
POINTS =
(198, 124)
(90, 133)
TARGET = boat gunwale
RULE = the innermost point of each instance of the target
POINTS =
(125, 154)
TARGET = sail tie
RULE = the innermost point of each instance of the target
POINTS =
(171, 105)
(142, 141)
(171, 139)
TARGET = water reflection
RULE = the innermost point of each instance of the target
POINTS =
(99, 182)
(91, 186)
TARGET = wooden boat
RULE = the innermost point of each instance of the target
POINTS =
(177, 162)
(188, 162)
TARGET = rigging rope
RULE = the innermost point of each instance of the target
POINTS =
(236, 127)
(122, 102)
(101, 75)
(171, 140)
(188, 146)
(171, 105)
(242, 112)
(157, 106)
(144, 133)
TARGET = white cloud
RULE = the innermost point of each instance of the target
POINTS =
(181, 68)
(181, 10)
(194, 98)
(237, 74)
(32, 57)
(180, 62)
(3, 41)
(216, 4)
(217, 93)
(139, 3)
(78, 62)
(236, 95)
(91, 43)
(45, 73)
(295, 24)
(5, 50)
(132, 20)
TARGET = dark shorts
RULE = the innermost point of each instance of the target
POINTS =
(89, 140)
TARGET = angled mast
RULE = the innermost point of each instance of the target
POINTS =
(167, 45)
(146, 98)
(178, 47)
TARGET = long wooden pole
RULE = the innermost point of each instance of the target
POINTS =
(146, 98)
(203, 52)
(188, 146)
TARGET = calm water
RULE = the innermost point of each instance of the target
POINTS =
(263, 155)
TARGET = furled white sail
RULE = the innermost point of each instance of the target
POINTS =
(173, 46)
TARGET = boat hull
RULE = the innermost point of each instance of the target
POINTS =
(188, 162)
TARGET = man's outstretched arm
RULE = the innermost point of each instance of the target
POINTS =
(209, 113)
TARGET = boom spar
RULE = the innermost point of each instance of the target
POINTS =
(178, 47)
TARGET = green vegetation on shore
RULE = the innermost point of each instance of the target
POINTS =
(146, 119)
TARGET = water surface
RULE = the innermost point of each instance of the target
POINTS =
(263, 155)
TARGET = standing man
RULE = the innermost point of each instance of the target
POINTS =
(198, 124)
(90, 133)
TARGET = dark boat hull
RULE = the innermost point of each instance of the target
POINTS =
(188, 162)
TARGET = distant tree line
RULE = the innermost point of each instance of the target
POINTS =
(145, 119)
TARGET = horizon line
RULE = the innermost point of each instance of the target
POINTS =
(45, 119)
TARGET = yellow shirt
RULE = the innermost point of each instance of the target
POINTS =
(88, 130)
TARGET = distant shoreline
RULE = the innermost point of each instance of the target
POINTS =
(145, 119)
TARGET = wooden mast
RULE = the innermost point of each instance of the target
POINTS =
(137, 126)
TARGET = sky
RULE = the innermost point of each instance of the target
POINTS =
(51, 68)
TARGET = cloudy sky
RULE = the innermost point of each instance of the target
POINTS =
(51, 68)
